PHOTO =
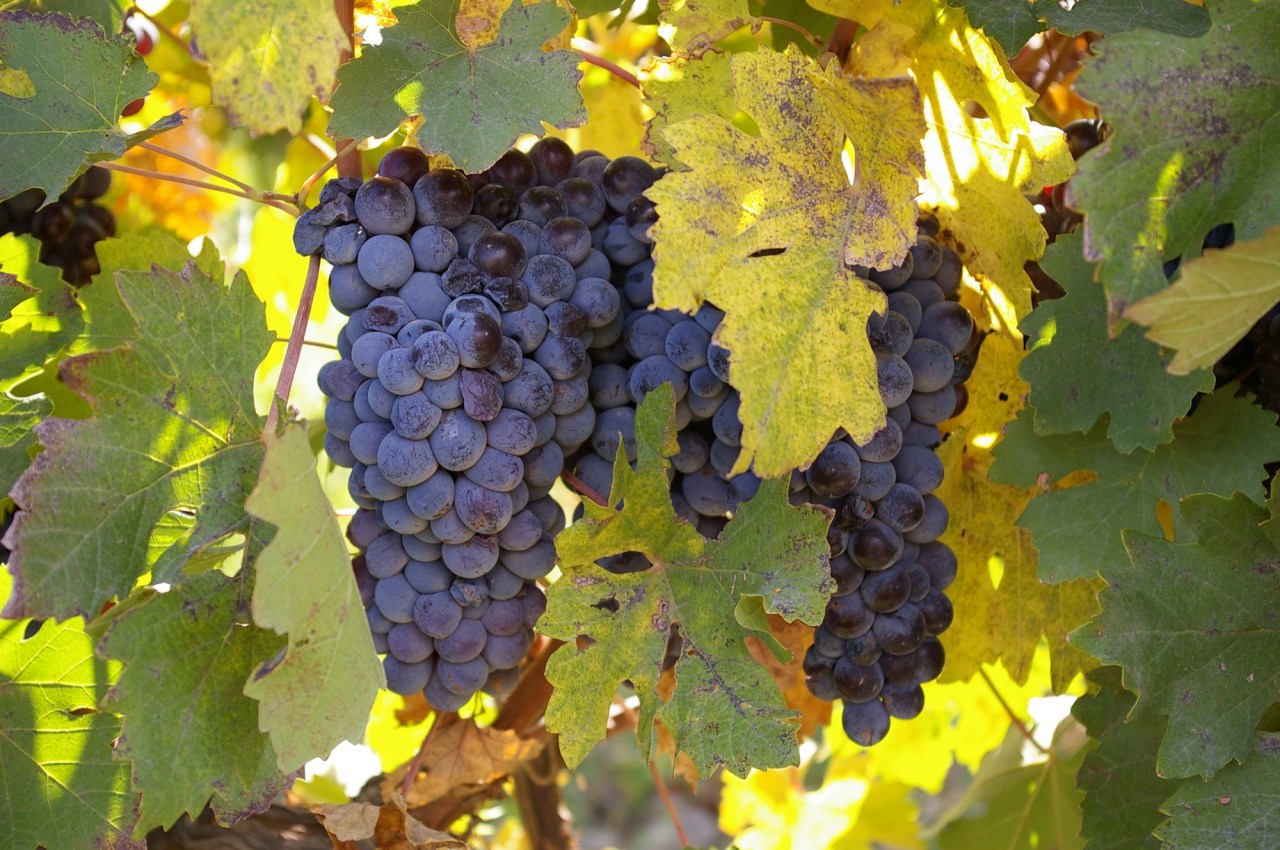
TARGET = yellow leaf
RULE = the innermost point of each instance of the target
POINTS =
(681, 87)
(1214, 303)
(388, 735)
(770, 810)
(888, 818)
(997, 581)
(761, 226)
(615, 120)
(693, 25)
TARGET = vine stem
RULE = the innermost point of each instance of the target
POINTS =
(589, 51)
(213, 172)
(314, 343)
(779, 22)
(284, 385)
(415, 765)
(348, 163)
(1013, 716)
(665, 794)
(260, 197)
(583, 488)
(322, 170)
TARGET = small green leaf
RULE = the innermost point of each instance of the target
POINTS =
(189, 729)
(1221, 448)
(1194, 121)
(1197, 630)
(1122, 793)
(1078, 371)
(1239, 806)
(725, 709)
(174, 429)
(1214, 302)
(62, 788)
(323, 689)
(83, 78)
(474, 102)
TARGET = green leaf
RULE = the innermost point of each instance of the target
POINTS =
(725, 709)
(189, 729)
(41, 326)
(1122, 793)
(323, 689)
(1238, 809)
(109, 13)
(1194, 121)
(1012, 24)
(18, 416)
(1197, 630)
(475, 102)
(62, 786)
(1020, 806)
(1221, 448)
(1214, 302)
(267, 59)
(795, 321)
(174, 430)
(83, 78)
(12, 293)
(1078, 371)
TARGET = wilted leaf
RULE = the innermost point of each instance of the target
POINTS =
(462, 754)
(390, 827)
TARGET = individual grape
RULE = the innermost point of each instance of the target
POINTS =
(552, 158)
(549, 279)
(901, 631)
(509, 362)
(368, 350)
(496, 202)
(926, 292)
(725, 423)
(574, 429)
(436, 614)
(876, 546)
(482, 510)
(569, 396)
(445, 393)
(472, 594)
(409, 645)
(472, 228)
(920, 581)
(428, 576)
(938, 612)
(893, 336)
(503, 584)
(563, 358)
(723, 456)
(886, 590)
(902, 508)
(948, 323)
(597, 299)
(405, 678)
(378, 624)
(396, 372)
(620, 246)
(527, 326)
(385, 261)
(365, 439)
(905, 304)
(376, 485)
(823, 687)
(931, 365)
(472, 558)
(932, 524)
(610, 424)
(903, 702)
(533, 563)
(934, 407)
(883, 445)
(496, 470)
(930, 658)
(704, 384)
(340, 417)
(815, 663)
(939, 562)
(478, 339)
(414, 417)
(503, 652)
(511, 431)
(892, 278)
(395, 515)
(597, 473)
(385, 206)
(481, 394)
(694, 452)
(458, 441)
(405, 462)
(461, 678)
(498, 254)
(549, 513)
(895, 380)
(342, 244)
(827, 643)
(919, 467)
(450, 528)
(347, 289)
(835, 472)
(443, 197)
(625, 178)
(338, 451)
(405, 164)
(857, 683)
(523, 531)
(432, 498)
(395, 598)
(652, 372)
(363, 529)
(340, 379)
(920, 434)
(424, 296)
(637, 285)
(442, 699)
(545, 428)
(415, 328)
(385, 555)
(584, 200)
(541, 204)
(847, 573)
(542, 465)
(596, 265)
(567, 238)
(646, 335)
(462, 276)
(849, 616)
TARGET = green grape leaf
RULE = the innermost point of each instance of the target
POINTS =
(12, 293)
(174, 429)
(82, 78)
(1238, 806)
(18, 416)
(1214, 302)
(1196, 628)
(40, 326)
(1193, 121)
(1122, 792)
(189, 729)
(1221, 448)
(1078, 371)
(700, 23)
(474, 102)
(323, 689)
(109, 13)
(725, 709)
(269, 58)
(1020, 806)
(1012, 24)
(764, 226)
(62, 786)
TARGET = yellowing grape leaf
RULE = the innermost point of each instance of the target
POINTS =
(1221, 448)
(1193, 120)
(189, 729)
(174, 429)
(268, 59)
(1019, 608)
(1215, 301)
(725, 709)
(795, 637)
(765, 227)
(62, 786)
(322, 690)
(680, 87)
(82, 79)
(772, 808)
(615, 120)
(474, 102)
(888, 817)
(690, 26)
(1196, 629)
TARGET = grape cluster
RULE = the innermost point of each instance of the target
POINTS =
(68, 228)
(463, 384)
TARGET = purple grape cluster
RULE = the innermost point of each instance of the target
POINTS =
(69, 228)
(476, 304)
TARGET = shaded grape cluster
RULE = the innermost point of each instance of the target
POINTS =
(475, 305)
(69, 228)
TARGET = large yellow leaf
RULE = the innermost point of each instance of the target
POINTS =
(680, 87)
(1002, 608)
(693, 25)
(765, 227)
